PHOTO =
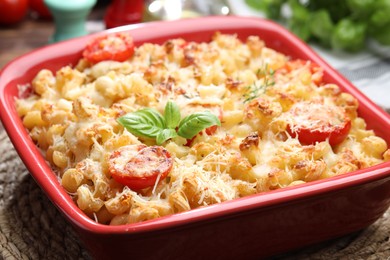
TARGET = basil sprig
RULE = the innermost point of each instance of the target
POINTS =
(172, 114)
(148, 122)
(191, 125)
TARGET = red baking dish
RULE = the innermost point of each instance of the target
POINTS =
(252, 227)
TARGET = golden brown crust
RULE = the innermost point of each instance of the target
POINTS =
(72, 117)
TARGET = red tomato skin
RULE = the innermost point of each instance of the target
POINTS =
(190, 141)
(317, 72)
(135, 182)
(211, 130)
(308, 136)
(41, 9)
(322, 127)
(12, 11)
(96, 52)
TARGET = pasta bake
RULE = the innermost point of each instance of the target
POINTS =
(139, 132)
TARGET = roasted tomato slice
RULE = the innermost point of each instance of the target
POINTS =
(316, 71)
(313, 122)
(116, 47)
(139, 166)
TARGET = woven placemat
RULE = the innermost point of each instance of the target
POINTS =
(32, 228)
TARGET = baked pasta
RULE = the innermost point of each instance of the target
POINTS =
(158, 129)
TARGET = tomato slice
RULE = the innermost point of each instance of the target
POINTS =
(316, 71)
(116, 47)
(313, 122)
(139, 166)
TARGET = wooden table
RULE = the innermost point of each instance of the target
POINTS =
(22, 38)
(33, 33)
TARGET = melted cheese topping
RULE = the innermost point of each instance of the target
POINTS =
(72, 117)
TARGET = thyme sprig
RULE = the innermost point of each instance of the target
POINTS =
(260, 87)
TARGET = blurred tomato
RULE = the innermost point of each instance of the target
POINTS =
(12, 11)
(40, 8)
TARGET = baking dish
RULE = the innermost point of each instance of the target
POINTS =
(251, 227)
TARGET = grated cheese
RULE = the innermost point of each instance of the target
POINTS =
(226, 164)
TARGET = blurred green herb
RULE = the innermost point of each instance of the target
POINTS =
(270, 7)
(337, 24)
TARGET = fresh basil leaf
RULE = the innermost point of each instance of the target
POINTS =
(164, 135)
(143, 123)
(191, 125)
(172, 114)
(152, 116)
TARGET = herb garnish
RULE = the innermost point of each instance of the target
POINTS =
(258, 88)
(148, 122)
